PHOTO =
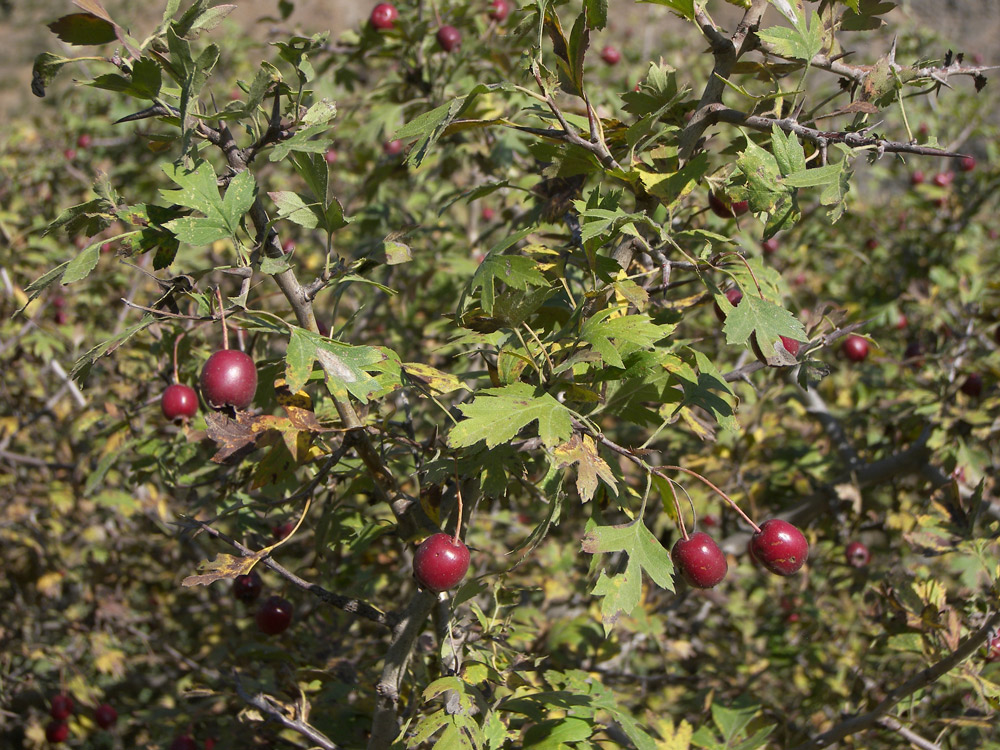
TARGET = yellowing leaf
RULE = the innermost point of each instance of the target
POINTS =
(590, 465)
(222, 567)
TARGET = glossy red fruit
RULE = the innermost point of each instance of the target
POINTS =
(330, 156)
(725, 208)
(229, 378)
(448, 38)
(105, 716)
(770, 246)
(83, 141)
(393, 148)
(699, 560)
(247, 588)
(179, 401)
(383, 16)
(973, 385)
(440, 562)
(917, 178)
(499, 10)
(734, 296)
(488, 213)
(780, 547)
(184, 742)
(61, 706)
(855, 348)
(857, 555)
(57, 731)
(274, 616)
(943, 179)
(966, 163)
(611, 55)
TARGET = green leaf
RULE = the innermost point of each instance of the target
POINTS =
(828, 175)
(609, 335)
(516, 271)
(83, 29)
(639, 544)
(803, 42)
(621, 593)
(85, 262)
(552, 733)
(597, 13)
(763, 317)
(199, 191)
(787, 151)
(684, 8)
(498, 414)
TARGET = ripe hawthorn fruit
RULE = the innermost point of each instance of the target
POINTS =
(184, 742)
(449, 38)
(61, 706)
(440, 562)
(247, 587)
(857, 554)
(499, 10)
(179, 401)
(105, 716)
(57, 731)
(611, 55)
(855, 348)
(725, 208)
(699, 560)
(780, 547)
(274, 616)
(229, 378)
(973, 385)
(383, 16)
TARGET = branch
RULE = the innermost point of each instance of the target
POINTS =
(385, 724)
(272, 708)
(347, 604)
(907, 734)
(922, 679)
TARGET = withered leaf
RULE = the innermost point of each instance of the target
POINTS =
(222, 567)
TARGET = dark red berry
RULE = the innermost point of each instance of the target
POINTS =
(83, 141)
(611, 55)
(770, 246)
(61, 706)
(871, 243)
(901, 322)
(440, 562)
(943, 179)
(791, 345)
(105, 716)
(274, 615)
(282, 530)
(330, 156)
(780, 547)
(857, 555)
(699, 560)
(179, 401)
(383, 16)
(967, 163)
(393, 148)
(499, 10)
(488, 213)
(184, 742)
(287, 246)
(247, 588)
(448, 37)
(973, 385)
(725, 208)
(229, 378)
(917, 178)
(734, 296)
(855, 348)
(57, 731)
(69, 154)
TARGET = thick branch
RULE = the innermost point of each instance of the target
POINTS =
(919, 681)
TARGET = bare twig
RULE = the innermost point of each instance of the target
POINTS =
(272, 708)
(908, 734)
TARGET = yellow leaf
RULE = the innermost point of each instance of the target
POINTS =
(222, 567)
(49, 584)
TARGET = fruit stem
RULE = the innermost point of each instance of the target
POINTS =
(222, 314)
(677, 507)
(458, 491)
(715, 489)
(176, 342)
(743, 260)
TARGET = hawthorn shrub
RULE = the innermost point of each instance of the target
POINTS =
(485, 300)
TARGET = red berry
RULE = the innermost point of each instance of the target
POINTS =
(393, 148)
(287, 246)
(184, 742)
(282, 530)
(710, 520)
(857, 555)
(107, 247)
(770, 245)
(917, 178)
(855, 348)
(973, 385)
(330, 156)
(611, 55)
(61, 706)
(210, 743)
(943, 179)
(499, 10)
(488, 213)
(69, 154)
(448, 37)
(105, 716)
(699, 560)
(967, 163)
(83, 141)
(60, 317)
(725, 208)
(247, 588)
(383, 16)
(57, 731)
(274, 615)
(780, 547)
(901, 322)
(440, 562)
(179, 401)
(229, 378)
(791, 345)
(871, 243)
(734, 296)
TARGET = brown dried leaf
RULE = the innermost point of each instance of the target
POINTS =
(236, 438)
(222, 567)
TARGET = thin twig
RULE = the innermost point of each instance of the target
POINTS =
(269, 706)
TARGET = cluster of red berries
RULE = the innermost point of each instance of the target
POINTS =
(777, 545)
(61, 708)
(275, 613)
(228, 379)
(385, 15)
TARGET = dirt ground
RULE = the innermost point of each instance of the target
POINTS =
(970, 25)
